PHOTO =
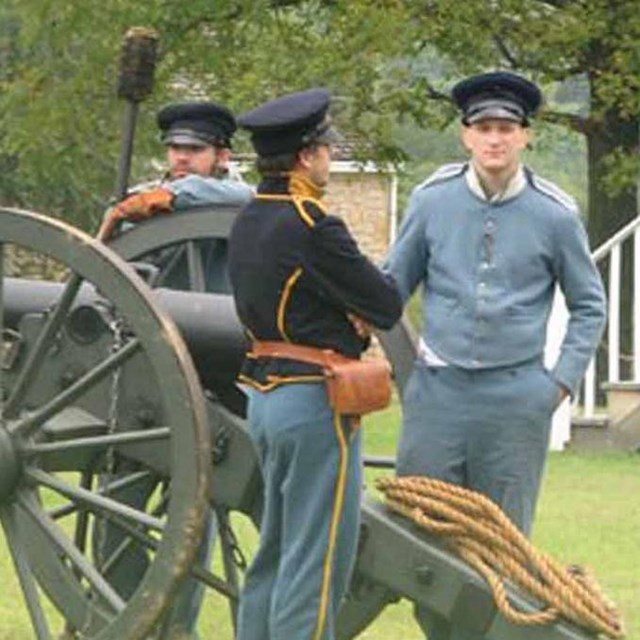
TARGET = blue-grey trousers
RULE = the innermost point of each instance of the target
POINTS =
(487, 430)
(311, 464)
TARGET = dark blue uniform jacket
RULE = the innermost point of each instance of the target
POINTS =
(296, 272)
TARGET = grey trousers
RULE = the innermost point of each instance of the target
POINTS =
(486, 430)
(310, 460)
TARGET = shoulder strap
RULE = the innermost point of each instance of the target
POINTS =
(552, 190)
(443, 173)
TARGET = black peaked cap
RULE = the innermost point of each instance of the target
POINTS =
(196, 123)
(291, 122)
(499, 94)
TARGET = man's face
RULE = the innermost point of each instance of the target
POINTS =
(495, 145)
(190, 159)
(317, 161)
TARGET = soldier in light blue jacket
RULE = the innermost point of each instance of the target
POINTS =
(197, 136)
(488, 240)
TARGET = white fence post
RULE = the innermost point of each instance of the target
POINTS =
(636, 305)
(556, 328)
(614, 314)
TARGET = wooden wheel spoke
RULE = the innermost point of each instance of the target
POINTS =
(205, 576)
(100, 504)
(99, 442)
(135, 536)
(25, 575)
(217, 584)
(196, 269)
(228, 542)
(107, 489)
(80, 563)
(168, 263)
(82, 524)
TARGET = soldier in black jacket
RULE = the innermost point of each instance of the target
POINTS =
(299, 278)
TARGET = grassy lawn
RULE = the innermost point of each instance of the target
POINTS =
(589, 514)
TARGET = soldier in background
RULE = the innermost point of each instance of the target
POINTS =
(197, 136)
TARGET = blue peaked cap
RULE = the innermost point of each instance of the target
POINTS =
(291, 122)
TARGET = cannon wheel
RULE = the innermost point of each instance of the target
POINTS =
(183, 233)
(49, 564)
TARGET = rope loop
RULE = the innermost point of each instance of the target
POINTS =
(482, 535)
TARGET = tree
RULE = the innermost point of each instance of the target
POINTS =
(390, 60)
(59, 117)
(593, 41)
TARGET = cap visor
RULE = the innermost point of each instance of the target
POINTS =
(330, 136)
(494, 113)
(184, 139)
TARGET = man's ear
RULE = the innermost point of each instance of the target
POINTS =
(304, 157)
(223, 157)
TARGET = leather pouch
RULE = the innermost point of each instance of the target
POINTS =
(358, 387)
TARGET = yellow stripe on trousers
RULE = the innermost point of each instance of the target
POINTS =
(333, 530)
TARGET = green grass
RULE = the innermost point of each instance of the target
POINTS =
(589, 514)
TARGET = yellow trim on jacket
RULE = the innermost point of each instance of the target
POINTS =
(284, 299)
(275, 381)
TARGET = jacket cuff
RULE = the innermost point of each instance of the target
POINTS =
(569, 376)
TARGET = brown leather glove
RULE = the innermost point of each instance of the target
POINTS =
(137, 207)
(144, 205)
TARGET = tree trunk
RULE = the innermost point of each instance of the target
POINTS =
(610, 213)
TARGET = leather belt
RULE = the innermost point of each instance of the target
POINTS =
(302, 353)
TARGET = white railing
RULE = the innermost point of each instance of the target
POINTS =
(612, 250)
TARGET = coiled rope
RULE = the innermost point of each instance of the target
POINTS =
(479, 532)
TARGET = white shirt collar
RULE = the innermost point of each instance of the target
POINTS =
(513, 188)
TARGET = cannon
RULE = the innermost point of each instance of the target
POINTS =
(112, 365)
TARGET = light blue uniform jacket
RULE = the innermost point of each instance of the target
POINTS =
(194, 190)
(489, 272)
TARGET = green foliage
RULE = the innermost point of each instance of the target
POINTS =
(390, 63)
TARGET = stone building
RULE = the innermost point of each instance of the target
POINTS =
(365, 196)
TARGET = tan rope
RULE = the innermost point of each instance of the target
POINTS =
(479, 531)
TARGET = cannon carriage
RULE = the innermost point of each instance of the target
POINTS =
(109, 382)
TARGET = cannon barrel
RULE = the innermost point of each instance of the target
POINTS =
(208, 323)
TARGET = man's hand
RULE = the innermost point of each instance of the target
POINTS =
(562, 394)
(137, 207)
(363, 328)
